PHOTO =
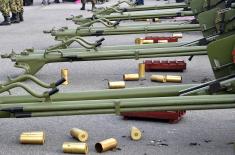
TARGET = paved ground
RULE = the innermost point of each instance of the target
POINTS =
(211, 131)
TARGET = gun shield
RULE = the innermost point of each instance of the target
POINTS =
(106, 145)
(32, 138)
(69, 147)
(79, 134)
(135, 133)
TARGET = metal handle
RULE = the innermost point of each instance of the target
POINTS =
(53, 91)
(100, 40)
(59, 82)
(25, 77)
(98, 44)
(76, 39)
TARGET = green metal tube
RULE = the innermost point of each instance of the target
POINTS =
(112, 111)
(101, 103)
(120, 47)
(27, 77)
(158, 91)
(156, 7)
(34, 62)
(26, 88)
(61, 35)
(129, 103)
(136, 15)
(109, 103)
(108, 11)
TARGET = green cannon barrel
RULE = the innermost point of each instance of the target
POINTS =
(34, 62)
(118, 106)
(110, 10)
(102, 94)
(134, 16)
(69, 33)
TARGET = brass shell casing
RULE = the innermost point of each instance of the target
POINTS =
(178, 35)
(156, 19)
(131, 77)
(138, 40)
(162, 41)
(158, 78)
(69, 147)
(143, 41)
(135, 133)
(116, 84)
(167, 78)
(79, 134)
(141, 70)
(106, 145)
(32, 138)
(65, 74)
(174, 78)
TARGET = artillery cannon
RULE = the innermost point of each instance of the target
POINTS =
(197, 6)
(32, 61)
(206, 19)
(117, 8)
(216, 94)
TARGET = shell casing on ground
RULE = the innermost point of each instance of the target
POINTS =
(177, 34)
(135, 133)
(158, 78)
(106, 145)
(174, 78)
(65, 74)
(143, 41)
(79, 134)
(138, 40)
(32, 138)
(131, 77)
(141, 70)
(162, 41)
(71, 147)
(166, 78)
(116, 84)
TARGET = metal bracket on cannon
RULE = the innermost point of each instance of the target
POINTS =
(17, 82)
(80, 41)
(103, 21)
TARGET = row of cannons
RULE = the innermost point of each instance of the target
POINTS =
(214, 18)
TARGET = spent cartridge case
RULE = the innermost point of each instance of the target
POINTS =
(32, 138)
(116, 84)
(174, 78)
(158, 78)
(131, 77)
(106, 145)
(65, 74)
(79, 134)
(141, 70)
(166, 78)
(80, 148)
(135, 133)
(178, 35)
(162, 41)
(143, 41)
